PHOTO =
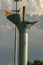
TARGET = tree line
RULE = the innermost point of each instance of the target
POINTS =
(36, 62)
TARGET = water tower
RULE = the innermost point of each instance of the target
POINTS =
(23, 28)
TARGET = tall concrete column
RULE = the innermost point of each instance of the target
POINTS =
(23, 43)
(23, 48)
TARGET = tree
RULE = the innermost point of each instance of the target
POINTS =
(37, 62)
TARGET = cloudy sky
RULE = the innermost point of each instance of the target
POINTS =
(34, 11)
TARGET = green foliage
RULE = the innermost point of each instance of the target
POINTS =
(36, 62)
(41, 62)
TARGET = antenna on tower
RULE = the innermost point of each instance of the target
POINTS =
(17, 11)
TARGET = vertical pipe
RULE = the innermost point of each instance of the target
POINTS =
(16, 7)
(23, 48)
(15, 48)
